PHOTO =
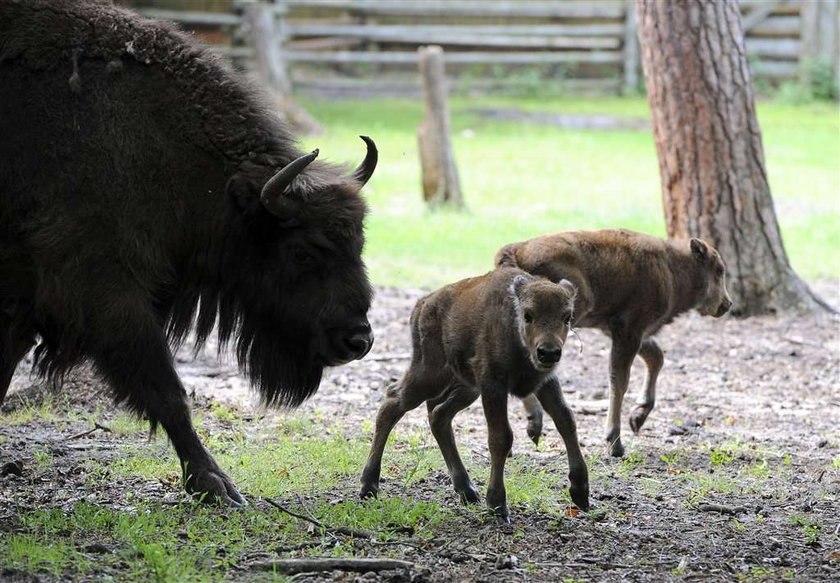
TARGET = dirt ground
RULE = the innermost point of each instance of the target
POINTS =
(735, 476)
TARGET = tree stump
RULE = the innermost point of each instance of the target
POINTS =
(711, 160)
(440, 175)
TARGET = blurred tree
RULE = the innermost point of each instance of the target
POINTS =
(711, 161)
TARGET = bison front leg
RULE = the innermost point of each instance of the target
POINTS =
(654, 359)
(441, 413)
(625, 346)
(138, 365)
(499, 440)
(552, 400)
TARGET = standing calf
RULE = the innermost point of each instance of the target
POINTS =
(629, 285)
(498, 334)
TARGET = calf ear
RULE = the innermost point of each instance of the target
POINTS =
(517, 284)
(506, 256)
(699, 249)
(569, 287)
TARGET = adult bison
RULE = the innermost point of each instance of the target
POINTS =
(145, 190)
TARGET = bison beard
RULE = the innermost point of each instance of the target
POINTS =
(146, 191)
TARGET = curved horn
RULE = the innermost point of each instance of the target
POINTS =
(365, 170)
(278, 183)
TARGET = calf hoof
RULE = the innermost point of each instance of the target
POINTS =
(468, 494)
(369, 491)
(638, 417)
(616, 448)
(212, 486)
(502, 515)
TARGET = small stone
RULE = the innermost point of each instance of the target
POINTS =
(507, 562)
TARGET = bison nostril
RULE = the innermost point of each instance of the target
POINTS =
(549, 355)
(359, 340)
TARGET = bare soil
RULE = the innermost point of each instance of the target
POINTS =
(735, 476)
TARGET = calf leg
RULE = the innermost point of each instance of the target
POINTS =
(441, 413)
(552, 400)
(401, 397)
(500, 440)
(534, 414)
(138, 365)
(624, 350)
(654, 359)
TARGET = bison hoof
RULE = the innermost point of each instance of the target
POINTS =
(212, 486)
(369, 491)
(638, 418)
(580, 496)
(616, 448)
(502, 515)
(468, 494)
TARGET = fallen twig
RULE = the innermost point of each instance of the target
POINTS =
(291, 566)
(733, 510)
(345, 530)
(390, 356)
(96, 427)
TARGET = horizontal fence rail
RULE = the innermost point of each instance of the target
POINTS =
(349, 46)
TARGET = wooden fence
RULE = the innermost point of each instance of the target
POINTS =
(370, 46)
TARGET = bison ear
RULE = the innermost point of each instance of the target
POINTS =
(699, 249)
(568, 287)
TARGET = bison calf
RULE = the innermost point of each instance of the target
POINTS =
(494, 335)
(629, 286)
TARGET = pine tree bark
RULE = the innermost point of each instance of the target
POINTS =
(711, 160)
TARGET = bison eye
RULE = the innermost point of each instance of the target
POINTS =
(719, 271)
(529, 317)
(303, 258)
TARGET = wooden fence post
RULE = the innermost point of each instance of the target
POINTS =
(440, 175)
(631, 48)
(267, 36)
(267, 46)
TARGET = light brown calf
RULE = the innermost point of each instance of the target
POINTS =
(629, 285)
(492, 336)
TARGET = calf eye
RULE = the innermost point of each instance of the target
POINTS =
(529, 317)
(719, 271)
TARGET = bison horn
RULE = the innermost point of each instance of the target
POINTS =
(368, 165)
(273, 190)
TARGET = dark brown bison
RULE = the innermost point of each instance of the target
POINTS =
(146, 190)
(496, 335)
(629, 286)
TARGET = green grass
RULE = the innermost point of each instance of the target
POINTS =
(522, 180)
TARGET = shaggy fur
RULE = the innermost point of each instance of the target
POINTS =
(131, 166)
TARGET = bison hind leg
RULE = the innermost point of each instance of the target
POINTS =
(14, 344)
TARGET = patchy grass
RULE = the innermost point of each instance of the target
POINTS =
(522, 180)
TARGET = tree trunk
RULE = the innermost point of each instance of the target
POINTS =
(711, 161)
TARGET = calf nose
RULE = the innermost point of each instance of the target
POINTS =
(549, 354)
(724, 307)
(359, 340)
